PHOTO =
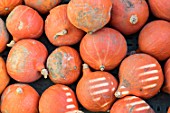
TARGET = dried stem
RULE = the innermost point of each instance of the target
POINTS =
(44, 72)
(61, 33)
(11, 44)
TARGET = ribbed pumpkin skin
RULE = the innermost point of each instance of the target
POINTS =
(4, 37)
(26, 59)
(131, 104)
(107, 47)
(64, 65)
(19, 98)
(128, 16)
(56, 22)
(43, 6)
(6, 6)
(4, 78)
(59, 98)
(140, 75)
(160, 8)
(89, 15)
(24, 22)
(154, 39)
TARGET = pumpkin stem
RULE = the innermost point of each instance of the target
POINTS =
(19, 90)
(44, 72)
(6, 9)
(133, 19)
(11, 44)
(75, 111)
(118, 94)
(61, 33)
(102, 67)
(86, 69)
(90, 32)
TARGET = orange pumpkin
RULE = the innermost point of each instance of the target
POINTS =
(4, 37)
(95, 90)
(131, 104)
(104, 49)
(26, 60)
(58, 99)
(154, 39)
(160, 8)
(19, 98)
(168, 110)
(128, 16)
(140, 75)
(4, 78)
(89, 15)
(6, 6)
(24, 22)
(43, 6)
(64, 65)
(65, 33)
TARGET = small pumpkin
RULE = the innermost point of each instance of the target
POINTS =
(89, 15)
(131, 104)
(154, 39)
(24, 22)
(65, 33)
(42, 6)
(6, 6)
(25, 61)
(64, 65)
(104, 49)
(128, 16)
(4, 37)
(140, 75)
(95, 90)
(4, 78)
(60, 99)
(19, 98)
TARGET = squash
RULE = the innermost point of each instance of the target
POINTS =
(140, 75)
(95, 90)
(25, 61)
(24, 22)
(89, 15)
(58, 28)
(104, 49)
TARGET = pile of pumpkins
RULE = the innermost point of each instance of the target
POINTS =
(99, 27)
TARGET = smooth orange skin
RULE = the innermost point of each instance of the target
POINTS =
(160, 8)
(168, 110)
(89, 15)
(154, 39)
(26, 59)
(122, 106)
(43, 6)
(4, 37)
(24, 22)
(14, 102)
(132, 81)
(122, 12)
(105, 47)
(4, 78)
(64, 65)
(9, 4)
(57, 21)
(55, 98)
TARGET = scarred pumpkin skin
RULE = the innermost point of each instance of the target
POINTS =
(64, 65)
(160, 8)
(4, 78)
(6, 6)
(58, 28)
(95, 90)
(131, 104)
(19, 98)
(26, 60)
(43, 6)
(4, 37)
(128, 16)
(104, 49)
(140, 75)
(89, 15)
(154, 39)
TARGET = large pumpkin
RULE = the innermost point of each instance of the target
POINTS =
(104, 49)
(89, 15)
(154, 39)
(25, 61)
(58, 28)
